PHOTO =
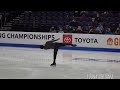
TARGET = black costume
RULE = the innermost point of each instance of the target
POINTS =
(54, 45)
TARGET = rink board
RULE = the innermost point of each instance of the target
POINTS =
(87, 42)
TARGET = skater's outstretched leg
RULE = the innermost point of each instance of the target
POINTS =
(74, 45)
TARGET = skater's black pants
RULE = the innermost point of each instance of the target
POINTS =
(56, 47)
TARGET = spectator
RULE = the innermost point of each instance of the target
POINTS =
(98, 19)
(94, 23)
(113, 27)
(109, 31)
(101, 12)
(67, 29)
(79, 30)
(99, 28)
(105, 27)
(71, 29)
(60, 30)
(85, 29)
(84, 12)
(105, 13)
(53, 30)
(74, 23)
(76, 14)
(92, 26)
(80, 16)
(117, 32)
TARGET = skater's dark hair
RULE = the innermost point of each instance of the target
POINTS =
(42, 47)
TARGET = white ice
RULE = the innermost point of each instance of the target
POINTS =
(34, 63)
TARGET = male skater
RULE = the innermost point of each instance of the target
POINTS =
(54, 45)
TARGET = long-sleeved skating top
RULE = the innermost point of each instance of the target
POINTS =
(50, 44)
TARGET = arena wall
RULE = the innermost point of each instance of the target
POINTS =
(88, 42)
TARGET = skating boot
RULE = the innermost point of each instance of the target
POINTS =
(53, 64)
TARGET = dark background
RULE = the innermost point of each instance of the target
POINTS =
(59, 5)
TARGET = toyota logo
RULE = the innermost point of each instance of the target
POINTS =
(67, 39)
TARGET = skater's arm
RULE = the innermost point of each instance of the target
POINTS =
(42, 46)
(56, 39)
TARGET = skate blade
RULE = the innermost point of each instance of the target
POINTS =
(53, 65)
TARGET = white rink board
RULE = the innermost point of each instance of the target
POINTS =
(28, 39)
(98, 41)
(82, 40)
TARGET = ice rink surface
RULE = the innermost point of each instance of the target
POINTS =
(33, 63)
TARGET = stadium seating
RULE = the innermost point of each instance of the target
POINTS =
(41, 21)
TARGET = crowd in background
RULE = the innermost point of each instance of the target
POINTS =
(7, 16)
(96, 26)
(82, 22)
